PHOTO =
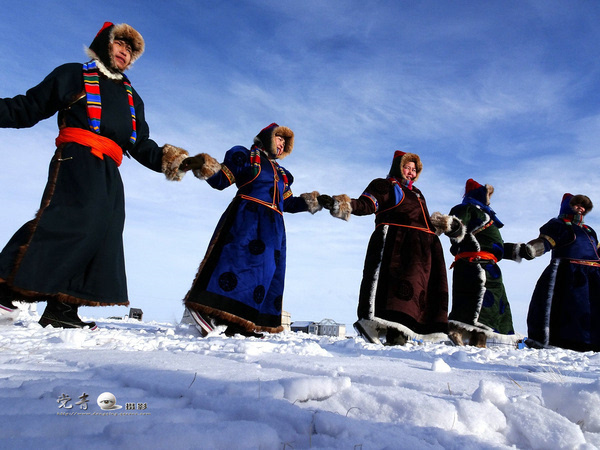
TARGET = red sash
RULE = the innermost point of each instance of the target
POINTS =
(99, 145)
(475, 256)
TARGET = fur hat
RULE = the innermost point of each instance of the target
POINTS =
(480, 193)
(100, 46)
(400, 159)
(264, 140)
(570, 200)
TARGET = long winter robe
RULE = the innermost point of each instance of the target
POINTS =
(73, 249)
(479, 301)
(404, 285)
(565, 306)
(241, 279)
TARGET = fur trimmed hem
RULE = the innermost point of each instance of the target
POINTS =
(171, 159)
(311, 201)
(27, 296)
(228, 318)
(490, 334)
(210, 167)
(431, 337)
(342, 208)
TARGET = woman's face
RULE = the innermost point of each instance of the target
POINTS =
(279, 144)
(579, 209)
(409, 171)
(121, 52)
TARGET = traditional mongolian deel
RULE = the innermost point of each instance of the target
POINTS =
(404, 287)
(479, 301)
(72, 251)
(565, 306)
(241, 279)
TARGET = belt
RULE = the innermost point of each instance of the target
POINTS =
(99, 145)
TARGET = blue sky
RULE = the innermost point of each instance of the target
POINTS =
(505, 92)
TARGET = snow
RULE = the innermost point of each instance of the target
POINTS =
(288, 391)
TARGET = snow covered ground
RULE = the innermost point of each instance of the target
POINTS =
(288, 391)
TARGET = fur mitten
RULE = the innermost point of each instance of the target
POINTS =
(518, 251)
(171, 159)
(202, 165)
(311, 201)
(325, 201)
(451, 226)
(534, 248)
(341, 207)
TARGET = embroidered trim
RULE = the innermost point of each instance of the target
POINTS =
(585, 263)
(373, 199)
(261, 202)
(228, 173)
(549, 239)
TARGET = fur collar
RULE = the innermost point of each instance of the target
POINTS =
(116, 76)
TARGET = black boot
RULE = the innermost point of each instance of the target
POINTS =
(6, 305)
(63, 315)
(233, 329)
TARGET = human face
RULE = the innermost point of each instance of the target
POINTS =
(578, 209)
(409, 171)
(121, 52)
(279, 144)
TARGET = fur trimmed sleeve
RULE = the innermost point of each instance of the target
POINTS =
(311, 201)
(451, 226)
(172, 157)
(210, 167)
(341, 207)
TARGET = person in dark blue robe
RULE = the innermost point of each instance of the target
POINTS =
(565, 306)
(240, 282)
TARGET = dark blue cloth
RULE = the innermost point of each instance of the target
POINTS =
(565, 306)
(242, 276)
(74, 246)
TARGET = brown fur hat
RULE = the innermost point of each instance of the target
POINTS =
(264, 140)
(582, 200)
(400, 159)
(100, 46)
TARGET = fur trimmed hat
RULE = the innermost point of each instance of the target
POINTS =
(570, 200)
(480, 193)
(264, 140)
(400, 159)
(100, 46)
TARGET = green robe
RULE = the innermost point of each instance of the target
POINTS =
(479, 301)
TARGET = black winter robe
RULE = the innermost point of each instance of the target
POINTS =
(73, 249)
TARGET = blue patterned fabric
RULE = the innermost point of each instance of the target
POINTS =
(241, 279)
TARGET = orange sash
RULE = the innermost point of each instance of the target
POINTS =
(99, 145)
(474, 256)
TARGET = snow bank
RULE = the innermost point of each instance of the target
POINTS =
(290, 390)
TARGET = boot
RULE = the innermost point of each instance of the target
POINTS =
(395, 337)
(368, 330)
(203, 322)
(457, 334)
(7, 308)
(232, 330)
(63, 315)
(478, 339)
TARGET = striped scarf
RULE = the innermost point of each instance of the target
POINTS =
(91, 83)
(255, 164)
